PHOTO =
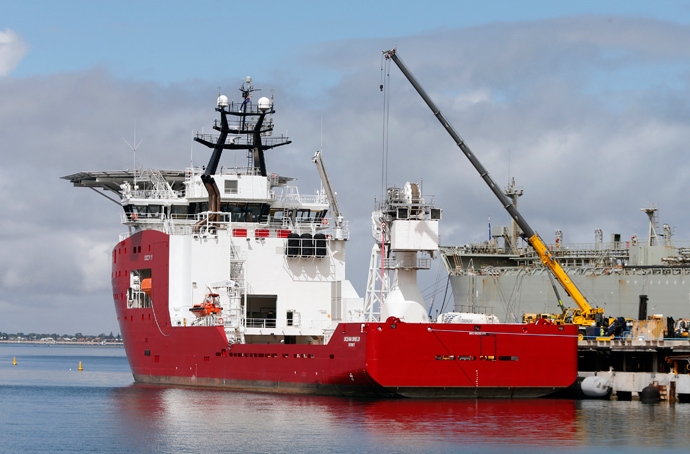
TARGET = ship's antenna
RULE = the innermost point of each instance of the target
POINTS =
(134, 150)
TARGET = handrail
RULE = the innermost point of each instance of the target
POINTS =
(260, 322)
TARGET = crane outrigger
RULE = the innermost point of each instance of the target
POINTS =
(586, 315)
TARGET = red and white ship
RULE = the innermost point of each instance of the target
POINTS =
(231, 278)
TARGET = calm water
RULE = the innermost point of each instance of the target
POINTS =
(49, 406)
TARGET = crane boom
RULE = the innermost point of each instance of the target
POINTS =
(326, 182)
(532, 237)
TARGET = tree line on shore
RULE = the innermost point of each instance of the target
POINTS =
(79, 337)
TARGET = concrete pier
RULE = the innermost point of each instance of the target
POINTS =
(630, 364)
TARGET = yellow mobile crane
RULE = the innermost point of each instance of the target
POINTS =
(586, 315)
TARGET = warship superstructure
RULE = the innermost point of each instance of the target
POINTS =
(502, 275)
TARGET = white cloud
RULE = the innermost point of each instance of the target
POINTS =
(12, 278)
(12, 50)
(94, 264)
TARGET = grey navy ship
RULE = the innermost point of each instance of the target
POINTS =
(500, 276)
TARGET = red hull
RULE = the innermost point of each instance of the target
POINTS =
(408, 359)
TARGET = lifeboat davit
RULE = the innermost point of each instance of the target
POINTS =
(211, 305)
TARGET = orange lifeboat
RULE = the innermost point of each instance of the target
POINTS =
(211, 305)
(146, 286)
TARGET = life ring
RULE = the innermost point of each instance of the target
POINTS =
(135, 216)
(324, 221)
(220, 320)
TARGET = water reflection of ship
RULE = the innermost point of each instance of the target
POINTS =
(533, 422)
(400, 423)
(502, 276)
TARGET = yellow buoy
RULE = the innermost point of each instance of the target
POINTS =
(14, 361)
(80, 368)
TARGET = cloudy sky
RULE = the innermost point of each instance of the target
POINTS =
(585, 103)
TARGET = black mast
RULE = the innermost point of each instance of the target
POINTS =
(249, 128)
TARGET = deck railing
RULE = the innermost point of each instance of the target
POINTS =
(260, 322)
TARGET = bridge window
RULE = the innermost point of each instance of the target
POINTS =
(231, 187)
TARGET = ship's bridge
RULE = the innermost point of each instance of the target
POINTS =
(172, 201)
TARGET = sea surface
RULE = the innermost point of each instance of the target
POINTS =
(48, 405)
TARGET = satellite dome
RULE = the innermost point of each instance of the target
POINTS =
(222, 101)
(264, 104)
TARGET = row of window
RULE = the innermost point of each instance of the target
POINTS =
(246, 355)
(311, 356)
(232, 211)
(123, 250)
(270, 355)
(474, 358)
(237, 212)
(131, 317)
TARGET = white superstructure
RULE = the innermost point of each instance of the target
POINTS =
(405, 228)
(270, 257)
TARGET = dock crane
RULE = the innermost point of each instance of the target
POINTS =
(586, 315)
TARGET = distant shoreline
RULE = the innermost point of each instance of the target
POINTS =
(84, 343)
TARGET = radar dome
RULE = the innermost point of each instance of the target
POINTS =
(222, 101)
(264, 104)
